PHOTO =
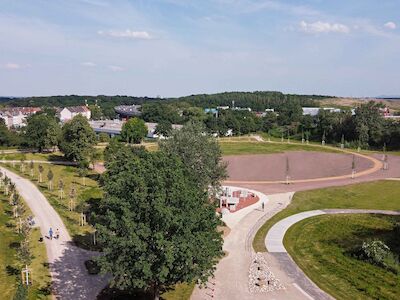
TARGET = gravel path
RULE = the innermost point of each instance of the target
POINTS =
(70, 279)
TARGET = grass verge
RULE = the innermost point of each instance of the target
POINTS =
(373, 195)
(322, 247)
(10, 264)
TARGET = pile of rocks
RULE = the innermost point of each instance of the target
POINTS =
(261, 279)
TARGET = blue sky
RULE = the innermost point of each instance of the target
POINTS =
(181, 47)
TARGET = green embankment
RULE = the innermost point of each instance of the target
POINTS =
(322, 246)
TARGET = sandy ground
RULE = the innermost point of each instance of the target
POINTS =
(70, 279)
(272, 188)
(302, 165)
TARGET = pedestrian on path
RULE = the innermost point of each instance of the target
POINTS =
(51, 233)
(57, 234)
(262, 205)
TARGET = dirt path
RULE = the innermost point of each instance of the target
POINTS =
(70, 279)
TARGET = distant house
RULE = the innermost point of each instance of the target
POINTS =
(128, 111)
(16, 116)
(67, 113)
(313, 111)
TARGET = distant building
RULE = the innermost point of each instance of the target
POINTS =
(114, 127)
(16, 116)
(213, 111)
(313, 111)
(67, 113)
(128, 111)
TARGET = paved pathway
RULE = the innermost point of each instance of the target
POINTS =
(277, 250)
(54, 162)
(232, 272)
(69, 275)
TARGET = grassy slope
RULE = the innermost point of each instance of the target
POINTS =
(375, 195)
(320, 245)
(10, 264)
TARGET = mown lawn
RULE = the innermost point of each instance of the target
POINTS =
(254, 147)
(11, 266)
(373, 195)
(322, 246)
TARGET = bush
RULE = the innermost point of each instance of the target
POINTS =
(92, 267)
(378, 253)
(103, 137)
(375, 251)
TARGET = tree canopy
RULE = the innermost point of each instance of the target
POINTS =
(199, 152)
(42, 131)
(134, 131)
(77, 139)
(155, 224)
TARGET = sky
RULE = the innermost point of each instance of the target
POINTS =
(174, 48)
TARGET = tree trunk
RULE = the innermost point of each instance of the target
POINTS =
(156, 293)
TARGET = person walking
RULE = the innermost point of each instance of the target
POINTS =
(57, 234)
(51, 233)
(262, 205)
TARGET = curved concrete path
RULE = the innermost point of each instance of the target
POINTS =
(231, 278)
(277, 250)
(70, 279)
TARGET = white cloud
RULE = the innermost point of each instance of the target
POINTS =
(88, 64)
(115, 68)
(323, 27)
(390, 25)
(140, 35)
(12, 66)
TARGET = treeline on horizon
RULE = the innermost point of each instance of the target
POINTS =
(258, 100)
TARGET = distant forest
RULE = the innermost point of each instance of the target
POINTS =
(257, 101)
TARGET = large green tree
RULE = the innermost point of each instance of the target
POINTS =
(155, 224)
(369, 123)
(163, 128)
(4, 134)
(134, 131)
(42, 131)
(199, 152)
(77, 139)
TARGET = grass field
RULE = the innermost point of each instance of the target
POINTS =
(373, 195)
(11, 266)
(248, 147)
(322, 247)
(84, 195)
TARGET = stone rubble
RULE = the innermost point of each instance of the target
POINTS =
(261, 279)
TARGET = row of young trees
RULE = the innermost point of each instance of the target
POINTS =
(23, 229)
(156, 223)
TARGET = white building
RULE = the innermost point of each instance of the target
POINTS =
(313, 111)
(16, 116)
(114, 127)
(67, 113)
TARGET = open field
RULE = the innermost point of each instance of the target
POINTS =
(321, 246)
(254, 147)
(11, 266)
(354, 102)
(374, 195)
(302, 165)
